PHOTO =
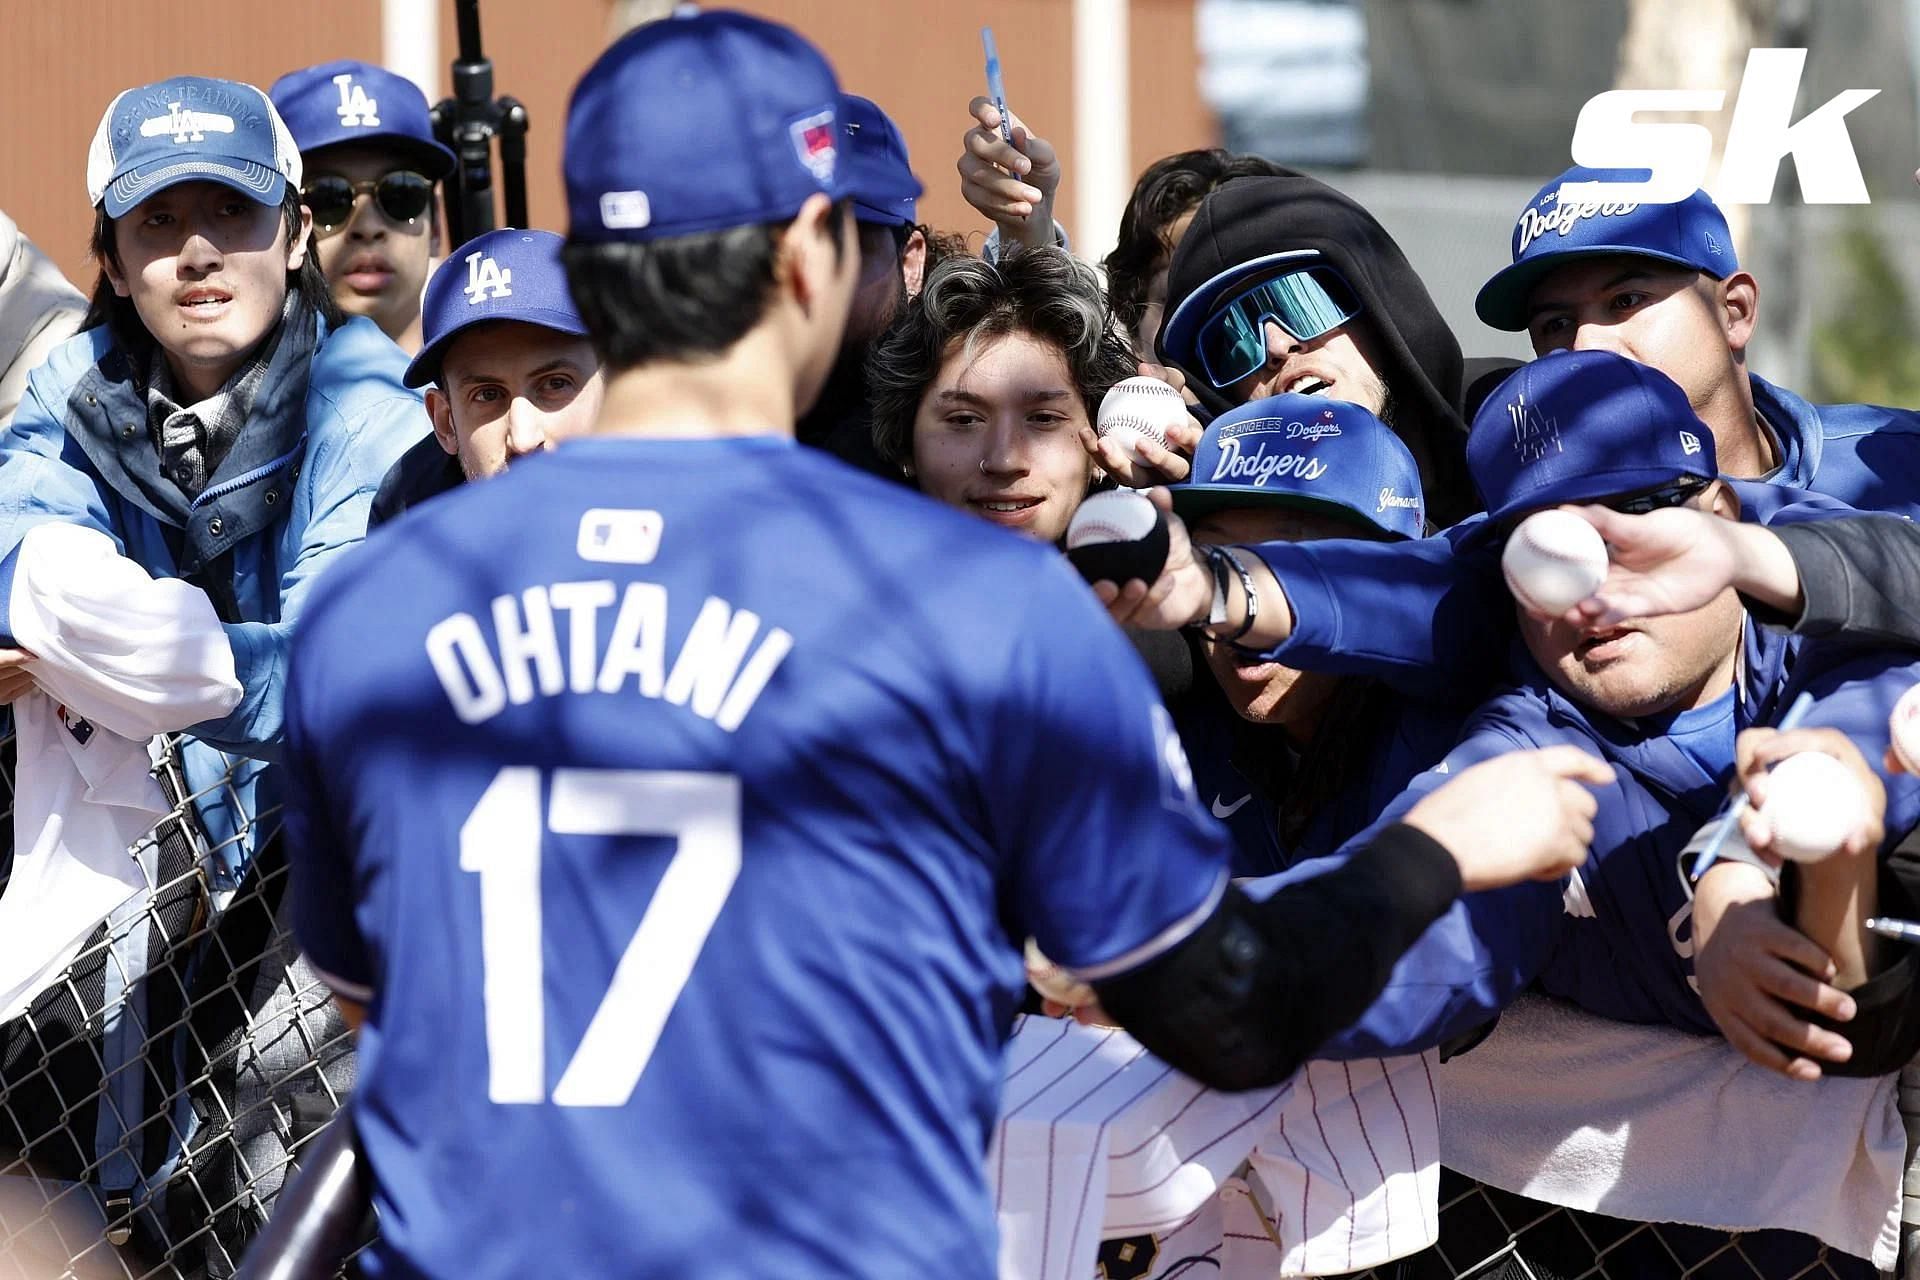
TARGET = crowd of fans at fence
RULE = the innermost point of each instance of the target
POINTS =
(280, 352)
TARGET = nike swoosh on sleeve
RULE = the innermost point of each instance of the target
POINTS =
(1224, 811)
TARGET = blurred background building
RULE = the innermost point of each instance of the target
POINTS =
(1442, 116)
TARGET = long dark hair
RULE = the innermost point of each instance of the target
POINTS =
(123, 320)
(1169, 188)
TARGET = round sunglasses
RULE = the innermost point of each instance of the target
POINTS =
(402, 195)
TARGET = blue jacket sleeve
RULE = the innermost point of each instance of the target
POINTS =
(342, 470)
(1430, 618)
(43, 479)
(1470, 962)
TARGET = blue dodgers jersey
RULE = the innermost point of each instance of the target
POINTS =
(680, 806)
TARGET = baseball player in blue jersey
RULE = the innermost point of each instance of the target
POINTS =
(671, 823)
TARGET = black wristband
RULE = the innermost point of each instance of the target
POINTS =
(1246, 589)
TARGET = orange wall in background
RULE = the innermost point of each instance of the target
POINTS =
(60, 63)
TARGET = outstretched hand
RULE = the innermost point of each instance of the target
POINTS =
(1525, 815)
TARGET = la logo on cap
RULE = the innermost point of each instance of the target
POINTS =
(486, 279)
(356, 109)
(1534, 435)
(185, 125)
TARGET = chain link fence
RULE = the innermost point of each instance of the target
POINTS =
(153, 1100)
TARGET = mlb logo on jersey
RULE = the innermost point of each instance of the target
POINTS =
(356, 109)
(813, 141)
(487, 279)
(79, 726)
(612, 536)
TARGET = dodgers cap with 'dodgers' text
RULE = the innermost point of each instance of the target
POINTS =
(1549, 234)
(1310, 452)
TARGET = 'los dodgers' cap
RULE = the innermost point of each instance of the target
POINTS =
(1575, 426)
(189, 129)
(1689, 233)
(699, 122)
(502, 275)
(1306, 451)
(878, 173)
(346, 101)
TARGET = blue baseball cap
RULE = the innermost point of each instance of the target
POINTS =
(878, 172)
(502, 275)
(1306, 451)
(1548, 235)
(347, 101)
(699, 122)
(1575, 426)
(189, 129)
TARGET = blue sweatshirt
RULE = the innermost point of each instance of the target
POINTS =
(1616, 936)
(1246, 772)
(1433, 618)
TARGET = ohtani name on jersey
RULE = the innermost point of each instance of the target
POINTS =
(525, 656)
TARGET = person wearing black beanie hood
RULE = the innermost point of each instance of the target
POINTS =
(1390, 351)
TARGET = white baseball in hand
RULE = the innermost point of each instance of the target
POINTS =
(1137, 407)
(1814, 803)
(1904, 725)
(1553, 561)
(1055, 983)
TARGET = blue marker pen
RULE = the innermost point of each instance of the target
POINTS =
(996, 87)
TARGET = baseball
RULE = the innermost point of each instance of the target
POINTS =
(1116, 536)
(1904, 724)
(1553, 561)
(1053, 982)
(1813, 804)
(1136, 407)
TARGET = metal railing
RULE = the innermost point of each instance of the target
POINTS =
(153, 1100)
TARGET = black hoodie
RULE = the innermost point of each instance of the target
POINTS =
(1421, 363)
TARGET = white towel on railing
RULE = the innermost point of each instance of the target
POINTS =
(121, 657)
(1654, 1125)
